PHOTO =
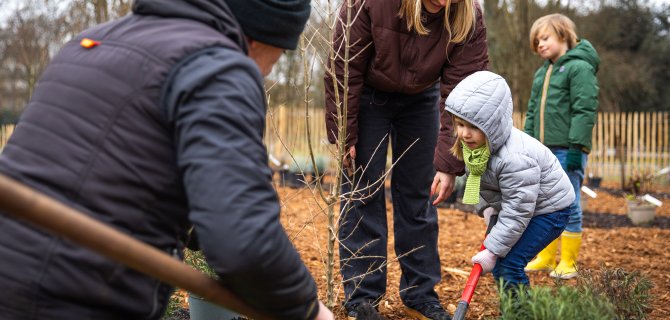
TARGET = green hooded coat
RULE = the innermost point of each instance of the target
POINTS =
(567, 117)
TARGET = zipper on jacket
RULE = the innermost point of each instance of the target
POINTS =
(406, 58)
(543, 101)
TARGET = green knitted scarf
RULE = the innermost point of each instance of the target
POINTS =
(476, 161)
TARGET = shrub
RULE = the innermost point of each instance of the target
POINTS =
(639, 184)
(603, 294)
(627, 291)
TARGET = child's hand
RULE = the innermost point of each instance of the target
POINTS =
(486, 259)
(488, 212)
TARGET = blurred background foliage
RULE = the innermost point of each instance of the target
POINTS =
(631, 36)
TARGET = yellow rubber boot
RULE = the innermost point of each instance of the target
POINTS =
(545, 260)
(570, 243)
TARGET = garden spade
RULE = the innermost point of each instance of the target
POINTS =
(471, 284)
(27, 204)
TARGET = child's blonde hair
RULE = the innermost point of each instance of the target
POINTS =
(464, 20)
(457, 148)
(557, 23)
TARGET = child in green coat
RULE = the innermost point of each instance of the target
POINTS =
(561, 114)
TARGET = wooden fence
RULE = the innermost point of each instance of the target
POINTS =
(286, 130)
(638, 140)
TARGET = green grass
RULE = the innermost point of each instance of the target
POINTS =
(554, 303)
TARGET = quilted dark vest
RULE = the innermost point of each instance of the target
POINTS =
(94, 137)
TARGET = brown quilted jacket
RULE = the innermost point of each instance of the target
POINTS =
(390, 58)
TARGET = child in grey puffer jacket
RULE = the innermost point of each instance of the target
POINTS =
(510, 174)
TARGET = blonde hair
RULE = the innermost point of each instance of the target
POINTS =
(559, 24)
(457, 148)
(464, 19)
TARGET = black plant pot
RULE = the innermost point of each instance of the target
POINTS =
(594, 182)
(291, 179)
(201, 309)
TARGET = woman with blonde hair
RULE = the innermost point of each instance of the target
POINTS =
(404, 58)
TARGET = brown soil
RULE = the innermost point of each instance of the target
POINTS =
(609, 240)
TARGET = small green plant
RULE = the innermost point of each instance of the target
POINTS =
(627, 291)
(553, 303)
(174, 311)
(196, 259)
(640, 183)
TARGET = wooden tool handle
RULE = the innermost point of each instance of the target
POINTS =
(27, 204)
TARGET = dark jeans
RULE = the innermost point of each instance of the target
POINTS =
(541, 231)
(412, 123)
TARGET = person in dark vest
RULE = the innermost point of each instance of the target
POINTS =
(152, 123)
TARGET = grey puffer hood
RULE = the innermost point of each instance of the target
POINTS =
(523, 178)
(484, 99)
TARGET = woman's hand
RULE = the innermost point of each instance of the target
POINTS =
(445, 182)
(348, 162)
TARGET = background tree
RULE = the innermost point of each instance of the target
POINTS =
(29, 39)
(31, 35)
(634, 40)
(632, 37)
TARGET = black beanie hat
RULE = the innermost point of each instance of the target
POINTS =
(275, 22)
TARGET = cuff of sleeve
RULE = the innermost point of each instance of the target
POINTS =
(579, 147)
(495, 247)
(455, 167)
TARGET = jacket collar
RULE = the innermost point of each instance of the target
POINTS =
(214, 13)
